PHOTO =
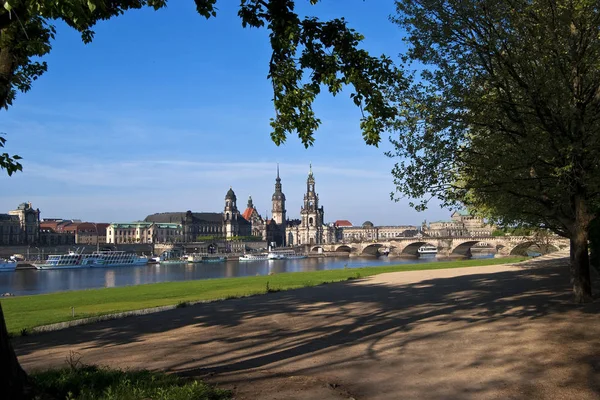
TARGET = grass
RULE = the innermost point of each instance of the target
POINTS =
(97, 383)
(22, 313)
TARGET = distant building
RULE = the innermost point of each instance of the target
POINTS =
(369, 232)
(20, 226)
(462, 223)
(144, 232)
(311, 230)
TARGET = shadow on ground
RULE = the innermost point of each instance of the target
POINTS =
(514, 333)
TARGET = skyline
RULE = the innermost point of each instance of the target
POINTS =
(153, 117)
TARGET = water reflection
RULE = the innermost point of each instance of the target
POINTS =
(24, 282)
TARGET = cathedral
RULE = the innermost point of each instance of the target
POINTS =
(310, 229)
(272, 230)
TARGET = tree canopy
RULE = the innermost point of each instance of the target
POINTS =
(308, 55)
(505, 117)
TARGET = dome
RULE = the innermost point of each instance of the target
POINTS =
(230, 194)
(278, 196)
(367, 224)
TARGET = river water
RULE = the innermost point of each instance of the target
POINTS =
(30, 281)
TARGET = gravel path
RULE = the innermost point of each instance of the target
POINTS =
(495, 332)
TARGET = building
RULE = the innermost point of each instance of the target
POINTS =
(310, 230)
(257, 223)
(369, 232)
(90, 233)
(197, 226)
(234, 226)
(10, 229)
(23, 225)
(462, 223)
(144, 232)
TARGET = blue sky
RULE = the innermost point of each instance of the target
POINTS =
(165, 110)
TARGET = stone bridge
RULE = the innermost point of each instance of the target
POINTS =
(446, 246)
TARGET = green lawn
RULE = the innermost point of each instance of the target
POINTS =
(26, 312)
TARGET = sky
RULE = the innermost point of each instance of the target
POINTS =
(164, 111)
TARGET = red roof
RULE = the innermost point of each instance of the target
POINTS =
(248, 213)
(342, 222)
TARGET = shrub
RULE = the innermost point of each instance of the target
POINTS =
(95, 383)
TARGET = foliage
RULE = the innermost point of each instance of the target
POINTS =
(96, 383)
(505, 116)
(30, 311)
(9, 163)
(307, 55)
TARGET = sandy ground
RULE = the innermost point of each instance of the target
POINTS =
(496, 332)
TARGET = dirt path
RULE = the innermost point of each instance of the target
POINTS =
(497, 332)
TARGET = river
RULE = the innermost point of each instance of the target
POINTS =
(30, 281)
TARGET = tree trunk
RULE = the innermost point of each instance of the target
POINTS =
(580, 259)
(13, 380)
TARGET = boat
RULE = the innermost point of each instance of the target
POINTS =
(284, 255)
(8, 265)
(427, 249)
(194, 258)
(97, 259)
(213, 259)
(255, 257)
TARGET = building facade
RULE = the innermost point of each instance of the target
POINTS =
(28, 224)
(311, 229)
(144, 232)
(462, 223)
(369, 232)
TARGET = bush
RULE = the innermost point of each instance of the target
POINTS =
(95, 383)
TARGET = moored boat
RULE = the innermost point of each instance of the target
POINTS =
(284, 255)
(7, 265)
(213, 259)
(254, 257)
(97, 259)
(427, 249)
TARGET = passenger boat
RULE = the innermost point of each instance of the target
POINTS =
(213, 259)
(427, 250)
(7, 265)
(194, 258)
(255, 257)
(284, 255)
(98, 259)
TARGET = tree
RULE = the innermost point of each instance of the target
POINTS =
(308, 55)
(505, 117)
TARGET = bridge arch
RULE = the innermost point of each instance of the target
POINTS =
(372, 249)
(521, 248)
(344, 247)
(412, 249)
(464, 249)
(316, 248)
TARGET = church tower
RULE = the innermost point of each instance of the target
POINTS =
(278, 211)
(311, 214)
(230, 215)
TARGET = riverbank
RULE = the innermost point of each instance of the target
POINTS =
(493, 332)
(23, 313)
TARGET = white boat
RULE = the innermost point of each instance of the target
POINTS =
(98, 259)
(427, 250)
(284, 255)
(254, 257)
(6, 265)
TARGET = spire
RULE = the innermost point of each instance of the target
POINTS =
(310, 174)
(250, 205)
(277, 170)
